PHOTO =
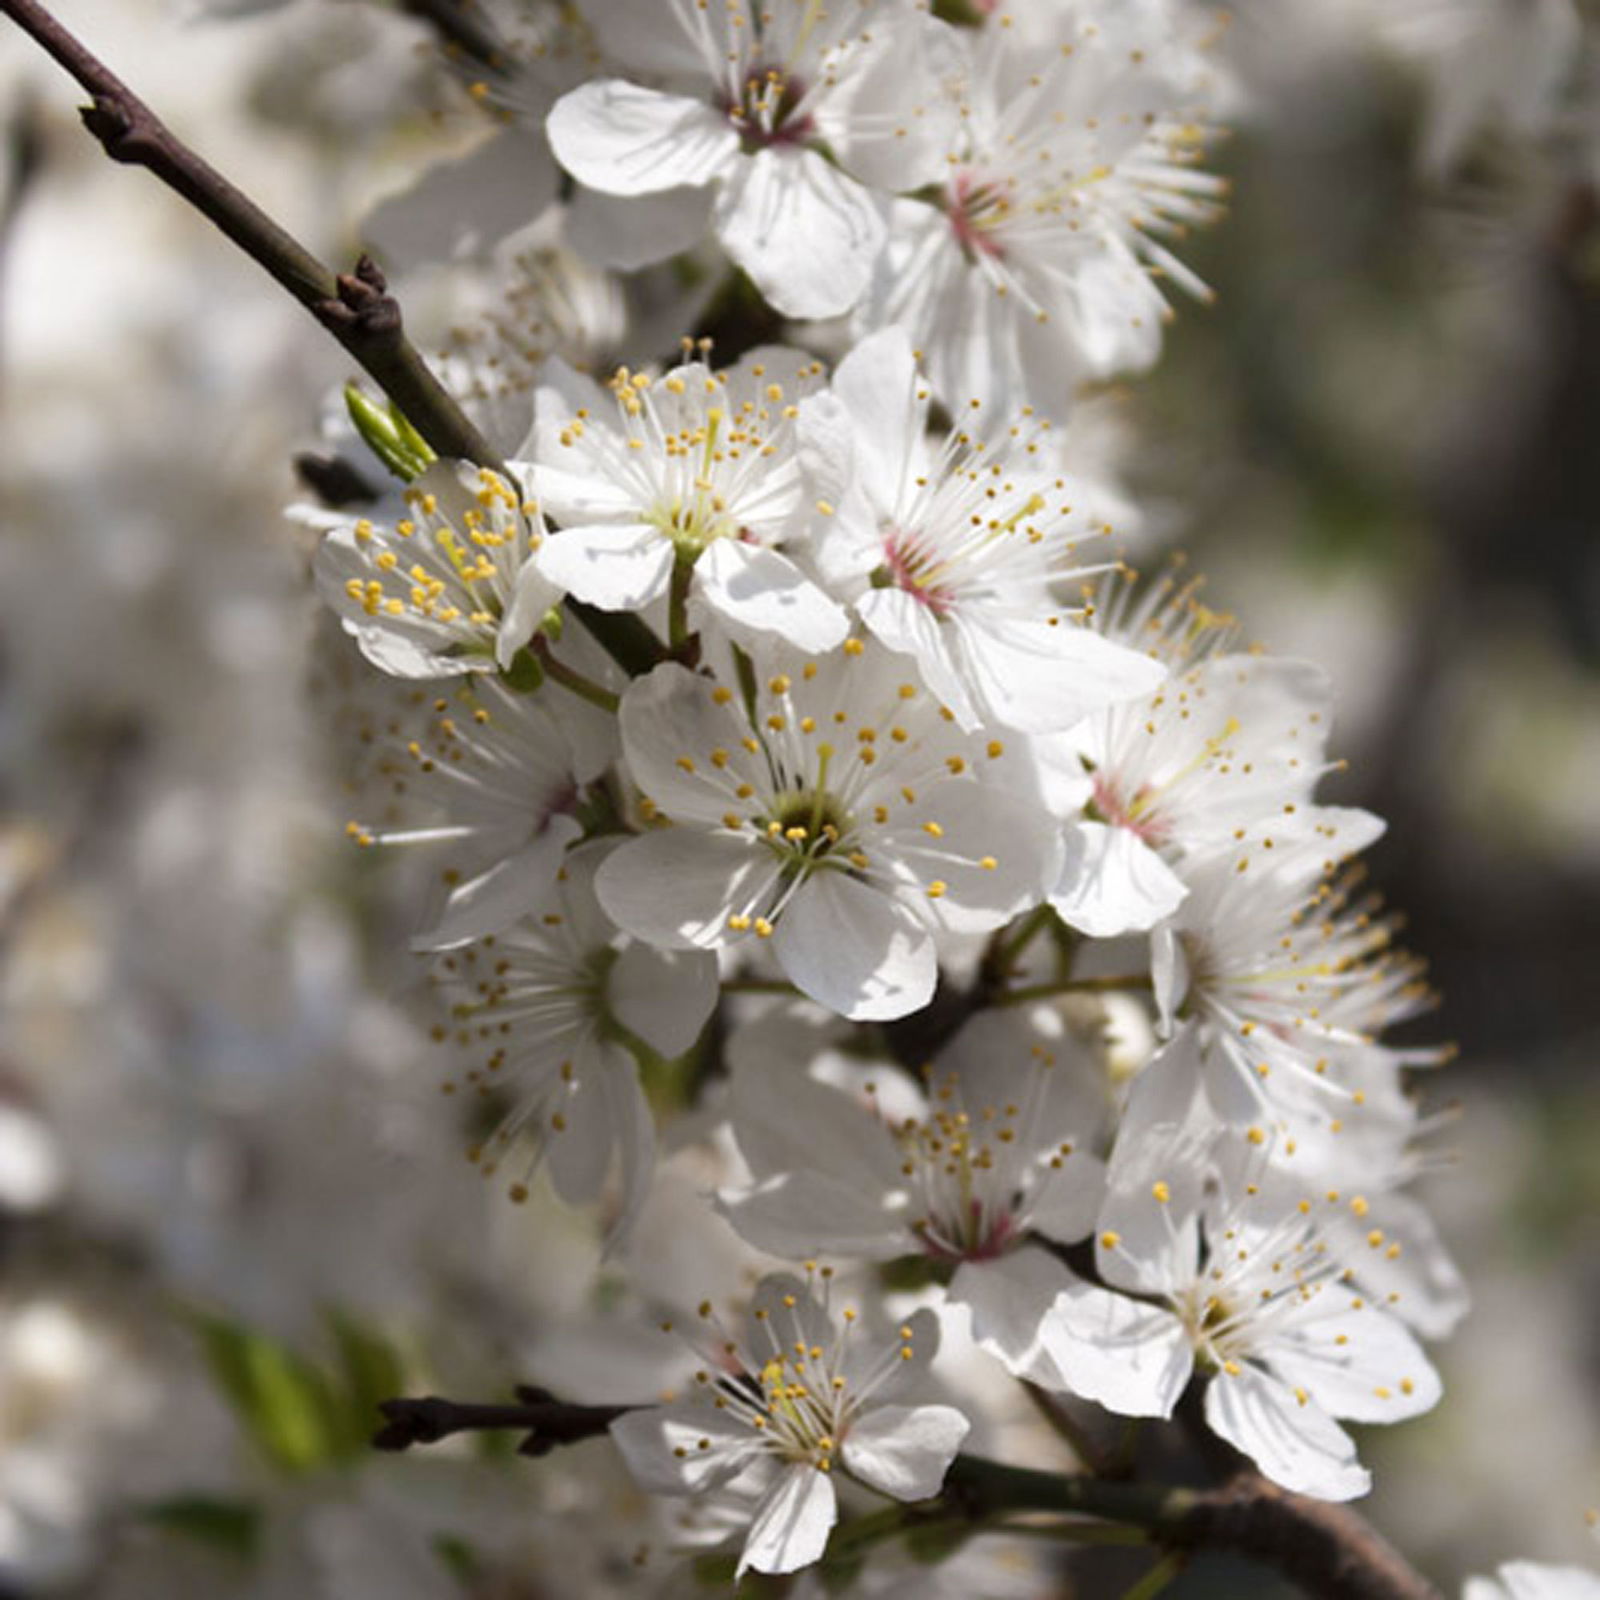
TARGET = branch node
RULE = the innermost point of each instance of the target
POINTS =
(122, 138)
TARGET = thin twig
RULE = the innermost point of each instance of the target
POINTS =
(355, 307)
(546, 1421)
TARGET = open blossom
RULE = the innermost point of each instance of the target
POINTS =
(489, 781)
(448, 588)
(777, 1413)
(1288, 975)
(952, 550)
(545, 1010)
(837, 818)
(1230, 740)
(1075, 155)
(1357, 1154)
(767, 92)
(693, 475)
(1258, 1299)
(990, 1157)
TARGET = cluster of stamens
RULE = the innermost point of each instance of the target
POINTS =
(427, 569)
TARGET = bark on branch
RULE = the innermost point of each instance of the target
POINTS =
(546, 1421)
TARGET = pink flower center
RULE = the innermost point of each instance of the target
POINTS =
(908, 567)
(976, 208)
(1137, 815)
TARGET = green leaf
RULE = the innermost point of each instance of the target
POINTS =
(230, 1525)
(285, 1405)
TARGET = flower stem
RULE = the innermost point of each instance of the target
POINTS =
(1005, 948)
(575, 682)
(1124, 982)
(1159, 1576)
(678, 606)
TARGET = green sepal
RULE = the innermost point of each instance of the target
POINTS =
(389, 436)
(524, 675)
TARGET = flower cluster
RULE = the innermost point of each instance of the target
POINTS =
(893, 716)
(799, 722)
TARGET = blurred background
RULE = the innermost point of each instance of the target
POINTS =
(231, 1214)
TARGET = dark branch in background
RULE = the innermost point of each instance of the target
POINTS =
(21, 158)
(1330, 1551)
(354, 307)
(462, 28)
(546, 1421)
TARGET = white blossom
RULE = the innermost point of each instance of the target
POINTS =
(796, 1399)
(1230, 739)
(692, 477)
(1290, 974)
(449, 587)
(830, 811)
(1258, 1300)
(764, 94)
(489, 781)
(992, 1154)
(1075, 156)
(953, 550)
(551, 1009)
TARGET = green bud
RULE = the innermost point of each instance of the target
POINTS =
(388, 435)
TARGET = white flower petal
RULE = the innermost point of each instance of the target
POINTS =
(1296, 1445)
(854, 949)
(787, 1122)
(1009, 1297)
(633, 1136)
(905, 1451)
(676, 888)
(1112, 882)
(792, 1523)
(1040, 677)
(1362, 1365)
(904, 623)
(760, 594)
(615, 568)
(626, 232)
(493, 900)
(802, 1214)
(622, 138)
(533, 594)
(664, 996)
(878, 382)
(668, 717)
(661, 1445)
(806, 233)
(578, 1151)
(1131, 1357)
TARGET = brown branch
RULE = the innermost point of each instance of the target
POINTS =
(1329, 1550)
(355, 307)
(547, 1422)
